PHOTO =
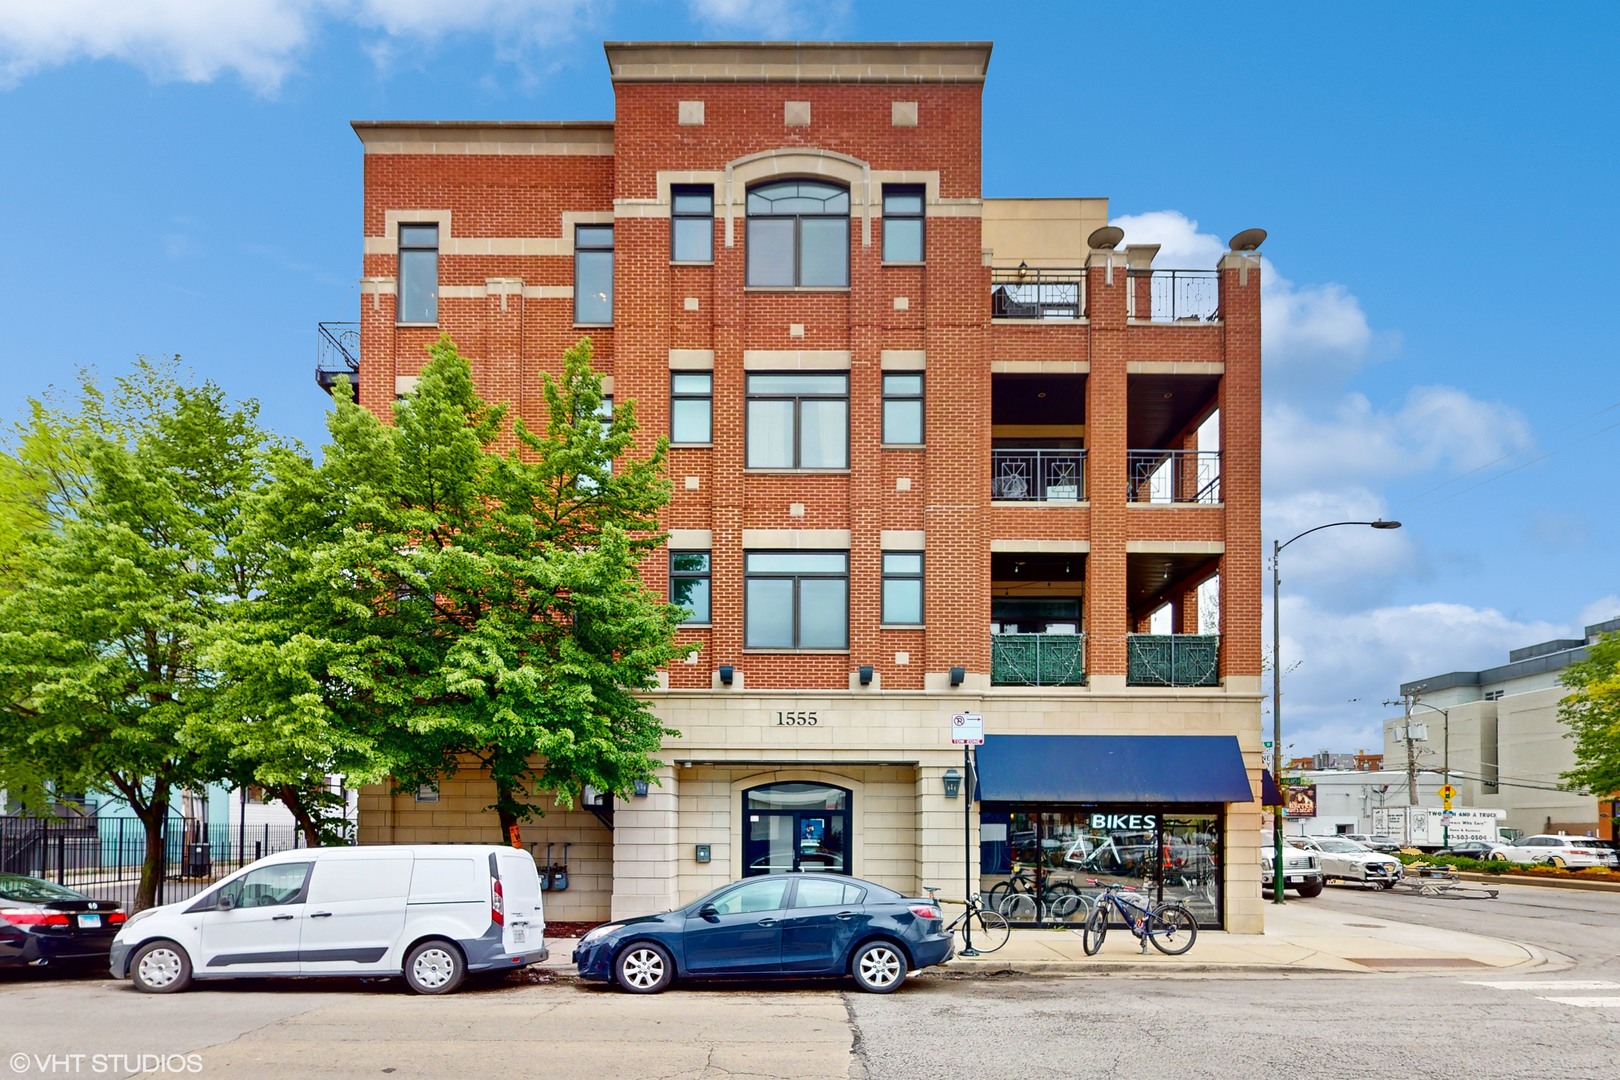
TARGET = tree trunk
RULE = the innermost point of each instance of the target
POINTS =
(152, 818)
(504, 811)
(303, 814)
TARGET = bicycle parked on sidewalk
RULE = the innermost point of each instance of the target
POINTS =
(1169, 926)
(1016, 898)
(989, 930)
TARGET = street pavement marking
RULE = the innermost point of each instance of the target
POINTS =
(1588, 1002)
(1551, 984)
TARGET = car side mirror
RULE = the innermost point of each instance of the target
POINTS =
(708, 911)
(226, 901)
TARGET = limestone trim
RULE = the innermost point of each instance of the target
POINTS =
(796, 360)
(1175, 367)
(1040, 367)
(587, 138)
(691, 359)
(798, 61)
(1054, 547)
(1175, 547)
(731, 201)
(449, 244)
(903, 360)
(901, 539)
(795, 539)
(405, 385)
(691, 539)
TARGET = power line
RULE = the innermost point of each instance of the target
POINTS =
(1509, 472)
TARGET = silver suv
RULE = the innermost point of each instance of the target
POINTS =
(1301, 871)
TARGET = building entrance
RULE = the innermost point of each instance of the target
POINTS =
(795, 826)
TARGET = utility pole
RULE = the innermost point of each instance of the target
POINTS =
(1411, 754)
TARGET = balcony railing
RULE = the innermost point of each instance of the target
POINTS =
(1037, 475)
(1174, 296)
(1172, 659)
(1038, 659)
(1022, 293)
(337, 353)
(1174, 476)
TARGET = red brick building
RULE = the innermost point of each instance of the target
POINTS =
(933, 453)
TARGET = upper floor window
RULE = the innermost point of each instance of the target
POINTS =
(593, 274)
(691, 223)
(691, 407)
(798, 422)
(903, 409)
(418, 274)
(796, 599)
(689, 584)
(798, 234)
(902, 223)
(902, 587)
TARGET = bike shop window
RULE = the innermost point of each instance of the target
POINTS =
(418, 284)
(593, 275)
(691, 223)
(798, 235)
(689, 584)
(691, 407)
(902, 588)
(796, 600)
(796, 826)
(902, 410)
(798, 421)
(902, 223)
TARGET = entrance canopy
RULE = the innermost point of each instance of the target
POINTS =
(1113, 768)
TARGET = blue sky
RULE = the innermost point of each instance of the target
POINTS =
(180, 177)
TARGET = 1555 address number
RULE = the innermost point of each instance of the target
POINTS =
(796, 719)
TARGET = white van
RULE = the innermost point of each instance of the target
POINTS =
(429, 912)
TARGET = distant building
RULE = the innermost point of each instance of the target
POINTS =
(1499, 730)
(1346, 797)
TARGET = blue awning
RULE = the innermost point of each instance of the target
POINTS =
(1113, 768)
(1270, 795)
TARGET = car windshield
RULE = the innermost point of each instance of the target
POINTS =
(1342, 847)
(27, 890)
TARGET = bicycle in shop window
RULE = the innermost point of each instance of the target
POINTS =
(989, 930)
(1170, 927)
(1017, 899)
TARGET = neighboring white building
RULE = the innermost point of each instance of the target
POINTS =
(1507, 747)
(1346, 798)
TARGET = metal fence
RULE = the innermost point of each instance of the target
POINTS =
(1172, 659)
(102, 857)
(1037, 475)
(1174, 476)
(1175, 296)
(1038, 660)
(1023, 293)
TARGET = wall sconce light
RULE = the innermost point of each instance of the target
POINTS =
(726, 671)
(953, 784)
(642, 787)
(866, 674)
(958, 675)
(1023, 269)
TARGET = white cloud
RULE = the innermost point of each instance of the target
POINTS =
(779, 19)
(1599, 611)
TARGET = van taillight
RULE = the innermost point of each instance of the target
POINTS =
(497, 905)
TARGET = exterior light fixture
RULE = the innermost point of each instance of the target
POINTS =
(726, 673)
(642, 787)
(866, 674)
(953, 784)
(958, 675)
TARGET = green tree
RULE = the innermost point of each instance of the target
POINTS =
(133, 564)
(454, 587)
(1591, 711)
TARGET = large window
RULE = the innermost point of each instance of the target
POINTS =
(902, 223)
(798, 421)
(418, 274)
(796, 600)
(691, 223)
(799, 826)
(689, 583)
(903, 410)
(902, 587)
(798, 234)
(691, 407)
(593, 274)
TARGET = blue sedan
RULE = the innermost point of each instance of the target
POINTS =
(766, 927)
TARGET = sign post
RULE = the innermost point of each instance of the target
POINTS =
(1447, 793)
(967, 731)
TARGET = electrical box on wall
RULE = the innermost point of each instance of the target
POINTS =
(702, 853)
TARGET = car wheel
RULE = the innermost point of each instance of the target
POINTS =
(1387, 885)
(1310, 889)
(878, 967)
(161, 967)
(644, 968)
(435, 967)
(1498, 856)
(1556, 861)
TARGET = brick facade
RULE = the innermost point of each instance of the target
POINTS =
(507, 197)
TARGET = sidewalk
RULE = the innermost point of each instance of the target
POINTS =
(1298, 937)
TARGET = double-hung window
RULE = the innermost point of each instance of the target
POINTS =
(691, 223)
(593, 275)
(903, 587)
(903, 223)
(689, 584)
(798, 421)
(691, 407)
(796, 599)
(798, 234)
(903, 409)
(418, 284)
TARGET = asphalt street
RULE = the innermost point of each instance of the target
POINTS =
(1561, 1020)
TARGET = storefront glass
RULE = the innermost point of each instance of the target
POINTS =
(795, 826)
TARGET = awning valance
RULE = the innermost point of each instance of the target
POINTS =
(1113, 768)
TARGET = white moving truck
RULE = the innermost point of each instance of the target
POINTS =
(1429, 829)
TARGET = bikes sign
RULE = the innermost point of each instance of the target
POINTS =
(967, 729)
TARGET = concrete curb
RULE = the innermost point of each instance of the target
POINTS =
(1541, 881)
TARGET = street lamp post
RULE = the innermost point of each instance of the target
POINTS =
(1276, 688)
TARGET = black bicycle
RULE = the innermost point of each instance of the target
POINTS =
(989, 930)
(1017, 900)
(1169, 926)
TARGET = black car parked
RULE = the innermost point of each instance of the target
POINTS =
(44, 924)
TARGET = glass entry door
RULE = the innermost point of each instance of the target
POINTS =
(796, 826)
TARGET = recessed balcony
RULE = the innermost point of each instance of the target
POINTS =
(1172, 659)
(1174, 476)
(1037, 659)
(1037, 474)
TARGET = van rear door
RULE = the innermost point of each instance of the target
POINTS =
(525, 919)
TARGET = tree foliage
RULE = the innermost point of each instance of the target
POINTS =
(1591, 711)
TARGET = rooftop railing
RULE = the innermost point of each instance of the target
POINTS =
(337, 353)
(1023, 293)
(1174, 296)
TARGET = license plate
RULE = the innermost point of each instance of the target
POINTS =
(87, 922)
(520, 934)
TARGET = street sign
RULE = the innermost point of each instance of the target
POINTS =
(1266, 744)
(1447, 792)
(1445, 804)
(967, 729)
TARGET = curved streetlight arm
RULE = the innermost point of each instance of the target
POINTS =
(1379, 524)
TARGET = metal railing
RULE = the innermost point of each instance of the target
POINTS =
(1040, 475)
(1023, 293)
(1174, 296)
(1172, 659)
(1038, 659)
(1174, 476)
(337, 353)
